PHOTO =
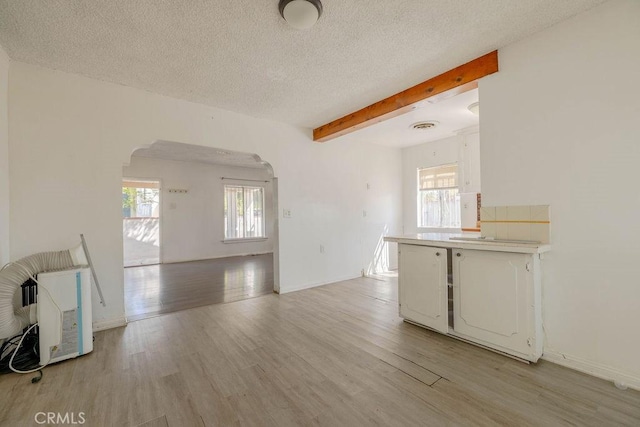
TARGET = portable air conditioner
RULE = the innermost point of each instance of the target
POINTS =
(64, 315)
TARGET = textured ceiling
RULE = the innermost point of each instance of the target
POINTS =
(240, 55)
(451, 115)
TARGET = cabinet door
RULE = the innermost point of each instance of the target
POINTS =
(493, 303)
(471, 163)
(423, 286)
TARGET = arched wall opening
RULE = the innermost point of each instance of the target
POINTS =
(216, 227)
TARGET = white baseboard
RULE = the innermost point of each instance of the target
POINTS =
(174, 261)
(101, 325)
(314, 284)
(597, 370)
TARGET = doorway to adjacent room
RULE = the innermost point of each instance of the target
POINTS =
(141, 222)
(200, 227)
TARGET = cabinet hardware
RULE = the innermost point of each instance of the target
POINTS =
(458, 254)
(437, 253)
(528, 267)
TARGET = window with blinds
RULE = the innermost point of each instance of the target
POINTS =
(438, 197)
(243, 212)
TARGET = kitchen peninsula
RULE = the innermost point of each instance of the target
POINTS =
(485, 291)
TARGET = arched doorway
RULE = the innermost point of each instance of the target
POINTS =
(217, 220)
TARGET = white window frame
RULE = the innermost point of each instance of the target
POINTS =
(444, 185)
(244, 228)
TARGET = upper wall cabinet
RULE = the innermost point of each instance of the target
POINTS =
(470, 156)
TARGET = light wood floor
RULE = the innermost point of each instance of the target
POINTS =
(336, 355)
(164, 288)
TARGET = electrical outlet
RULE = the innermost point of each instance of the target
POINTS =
(321, 249)
(286, 213)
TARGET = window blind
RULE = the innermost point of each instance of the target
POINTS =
(439, 178)
(243, 212)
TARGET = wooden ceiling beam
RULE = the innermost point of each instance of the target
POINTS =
(463, 77)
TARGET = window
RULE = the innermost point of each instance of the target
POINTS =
(438, 198)
(243, 212)
(140, 199)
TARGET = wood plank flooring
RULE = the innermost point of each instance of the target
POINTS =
(336, 355)
(164, 288)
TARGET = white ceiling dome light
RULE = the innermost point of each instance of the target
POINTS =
(474, 108)
(300, 14)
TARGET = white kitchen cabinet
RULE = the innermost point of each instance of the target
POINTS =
(423, 286)
(496, 291)
(497, 300)
(470, 182)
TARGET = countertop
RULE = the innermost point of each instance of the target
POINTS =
(443, 240)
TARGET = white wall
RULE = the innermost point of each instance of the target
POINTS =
(382, 209)
(559, 126)
(70, 137)
(4, 158)
(436, 153)
(192, 224)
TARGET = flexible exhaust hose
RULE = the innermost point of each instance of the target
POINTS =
(14, 274)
